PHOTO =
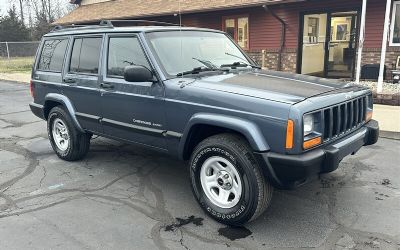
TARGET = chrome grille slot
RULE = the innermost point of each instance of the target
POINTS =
(356, 110)
(343, 118)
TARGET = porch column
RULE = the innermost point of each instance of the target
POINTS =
(384, 45)
(361, 40)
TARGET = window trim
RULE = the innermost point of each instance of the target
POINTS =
(72, 49)
(41, 52)
(108, 38)
(236, 19)
(396, 4)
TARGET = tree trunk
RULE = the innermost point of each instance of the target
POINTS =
(21, 7)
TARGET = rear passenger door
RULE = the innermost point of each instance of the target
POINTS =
(131, 111)
(81, 80)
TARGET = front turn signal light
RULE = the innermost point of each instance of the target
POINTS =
(289, 134)
(369, 116)
(312, 143)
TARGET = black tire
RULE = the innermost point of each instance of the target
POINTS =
(256, 191)
(79, 143)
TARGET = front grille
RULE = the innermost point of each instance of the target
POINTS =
(343, 118)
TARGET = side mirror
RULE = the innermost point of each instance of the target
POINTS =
(136, 73)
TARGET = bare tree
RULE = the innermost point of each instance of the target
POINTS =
(44, 13)
(21, 8)
(37, 15)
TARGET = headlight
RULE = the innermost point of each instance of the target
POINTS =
(308, 124)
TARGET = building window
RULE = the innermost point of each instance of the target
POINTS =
(395, 27)
(313, 29)
(238, 29)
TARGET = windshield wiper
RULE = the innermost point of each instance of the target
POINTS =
(235, 65)
(197, 70)
(243, 62)
(206, 63)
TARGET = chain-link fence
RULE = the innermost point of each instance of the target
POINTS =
(18, 49)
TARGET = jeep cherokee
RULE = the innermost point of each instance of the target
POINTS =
(194, 94)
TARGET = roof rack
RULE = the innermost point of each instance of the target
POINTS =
(136, 21)
(109, 24)
(77, 26)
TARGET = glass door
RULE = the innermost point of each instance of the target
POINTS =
(314, 44)
(342, 45)
(328, 44)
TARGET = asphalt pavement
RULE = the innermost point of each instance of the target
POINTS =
(126, 197)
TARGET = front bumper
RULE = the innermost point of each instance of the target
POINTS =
(290, 171)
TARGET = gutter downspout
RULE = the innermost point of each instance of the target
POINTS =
(361, 40)
(384, 45)
(283, 35)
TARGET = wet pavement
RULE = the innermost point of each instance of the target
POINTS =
(125, 197)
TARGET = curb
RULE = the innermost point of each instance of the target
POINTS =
(389, 135)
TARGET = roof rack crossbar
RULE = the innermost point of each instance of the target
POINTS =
(102, 24)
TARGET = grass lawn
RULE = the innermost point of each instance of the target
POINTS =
(16, 64)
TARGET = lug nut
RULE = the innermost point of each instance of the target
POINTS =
(226, 176)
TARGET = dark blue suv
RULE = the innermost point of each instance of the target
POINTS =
(194, 94)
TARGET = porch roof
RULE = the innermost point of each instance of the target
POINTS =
(124, 9)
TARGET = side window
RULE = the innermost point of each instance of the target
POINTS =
(85, 55)
(52, 56)
(122, 52)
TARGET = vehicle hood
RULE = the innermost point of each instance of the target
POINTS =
(271, 85)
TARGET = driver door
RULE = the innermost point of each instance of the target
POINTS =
(131, 111)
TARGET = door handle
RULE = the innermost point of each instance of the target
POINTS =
(106, 86)
(69, 80)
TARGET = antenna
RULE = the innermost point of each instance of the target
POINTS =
(180, 29)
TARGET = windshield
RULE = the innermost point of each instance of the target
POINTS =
(181, 51)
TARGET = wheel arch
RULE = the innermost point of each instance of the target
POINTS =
(52, 100)
(203, 125)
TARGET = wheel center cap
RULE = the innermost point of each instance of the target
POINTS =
(224, 180)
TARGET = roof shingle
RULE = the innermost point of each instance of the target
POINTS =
(123, 9)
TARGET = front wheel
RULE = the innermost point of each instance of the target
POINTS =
(227, 181)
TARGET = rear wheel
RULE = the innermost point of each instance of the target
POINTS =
(68, 143)
(227, 180)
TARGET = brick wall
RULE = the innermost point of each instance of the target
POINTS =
(289, 59)
(373, 56)
(256, 56)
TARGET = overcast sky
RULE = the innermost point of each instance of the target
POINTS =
(4, 5)
(63, 6)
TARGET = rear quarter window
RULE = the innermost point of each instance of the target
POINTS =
(85, 55)
(52, 55)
